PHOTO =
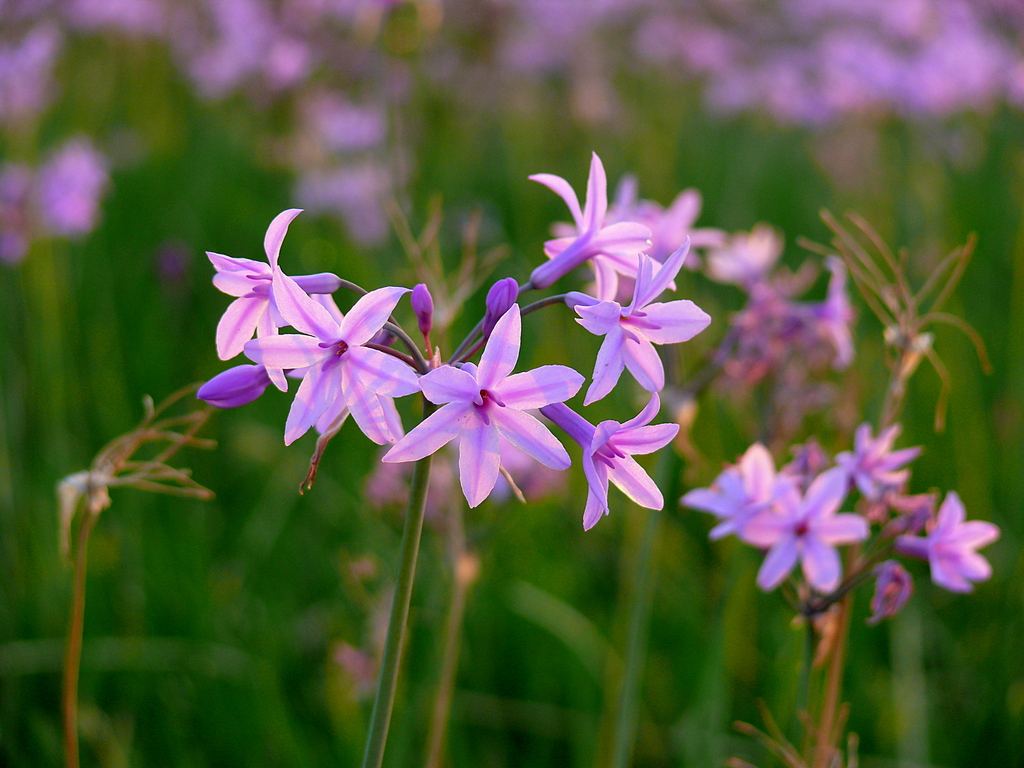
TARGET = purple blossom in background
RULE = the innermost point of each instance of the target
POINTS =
(809, 532)
(630, 332)
(26, 73)
(69, 187)
(743, 491)
(355, 192)
(873, 466)
(485, 402)
(135, 17)
(15, 189)
(235, 387)
(834, 316)
(893, 588)
(950, 546)
(608, 451)
(611, 249)
(339, 371)
(746, 257)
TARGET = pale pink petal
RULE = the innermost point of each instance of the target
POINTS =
(449, 384)
(973, 566)
(766, 529)
(233, 274)
(975, 534)
(597, 496)
(946, 573)
(842, 529)
(380, 373)
(826, 493)
(675, 321)
(501, 351)
(666, 275)
(304, 411)
(777, 565)
(290, 351)
(539, 387)
(596, 205)
(367, 411)
(642, 440)
(633, 481)
(527, 434)
(479, 460)
(607, 368)
(238, 324)
(275, 233)
(625, 239)
(605, 278)
(431, 434)
(951, 514)
(708, 500)
(644, 273)
(821, 565)
(646, 416)
(642, 360)
(564, 190)
(300, 311)
(599, 319)
(369, 314)
(758, 471)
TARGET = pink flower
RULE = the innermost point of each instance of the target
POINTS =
(746, 257)
(631, 332)
(807, 531)
(873, 465)
(340, 372)
(608, 451)
(611, 248)
(254, 310)
(485, 403)
(741, 492)
(950, 547)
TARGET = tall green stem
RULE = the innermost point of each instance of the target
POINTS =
(641, 603)
(389, 666)
(73, 650)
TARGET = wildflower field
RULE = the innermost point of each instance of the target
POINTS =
(512, 383)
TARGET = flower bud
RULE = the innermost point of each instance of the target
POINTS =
(892, 590)
(423, 306)
(235, 387)
(500, 298)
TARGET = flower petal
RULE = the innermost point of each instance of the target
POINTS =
(674, 321)
(599, 319)
(301, 312)
(597, 495)
(539, 387)
(380, 373)
(431, 434)
(642, 360)
(501, 351)
(564, 190)
(632, 480)
(777, 565)
(292, 350)
(607, 368)
(821, 565)
(369, 314)
(275, 233)
(527, 434)
(238, 324)
(479, 460)
(596, 206)
(306, 407)
(449, 384)
(663, 278)
(642, 440)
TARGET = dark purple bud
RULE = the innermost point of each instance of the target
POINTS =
(892, 590)
(423, 306)
(235, 387)
(500, 298)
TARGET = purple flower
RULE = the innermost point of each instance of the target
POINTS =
(809, 532)
(746, 257)
(743, 491)
(482, 404)
(834, 316)
(608, 451)
(950, 547)
(254, 311)
(340, 372)
(612, 248)
(235, 387)
(630, 332)
(69, 187)
(873, 466)
(15, 187)
(893, 589)
(26, 72)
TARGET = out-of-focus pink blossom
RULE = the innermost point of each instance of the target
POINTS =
(746, 257)
(26, 73)
(873, 466)
(893, 588)
(69, 188)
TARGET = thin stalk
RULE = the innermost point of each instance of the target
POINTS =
(641, 603)
(464, 569)
(73, 650)
(825, 739)
(389, 667)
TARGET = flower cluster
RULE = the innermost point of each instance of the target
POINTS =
(349, 365)
(793, 513)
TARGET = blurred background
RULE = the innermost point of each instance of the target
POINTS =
(137, 134)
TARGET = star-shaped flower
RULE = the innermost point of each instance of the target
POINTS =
(631, 332)
(251, 281)
(873, 465)
(743, 491)
(950, 546)
(608, 451)
(807, 531)
(486, 402)
(340, 372)
(612, 248)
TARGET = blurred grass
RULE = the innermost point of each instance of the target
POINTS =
(210, 628)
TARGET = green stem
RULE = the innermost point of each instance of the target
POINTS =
(389, 666)
(73, 650)
(641, 603)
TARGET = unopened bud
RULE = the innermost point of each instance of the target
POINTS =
(892, 590)
(235, 387)
(423, 306)
(500, 298)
